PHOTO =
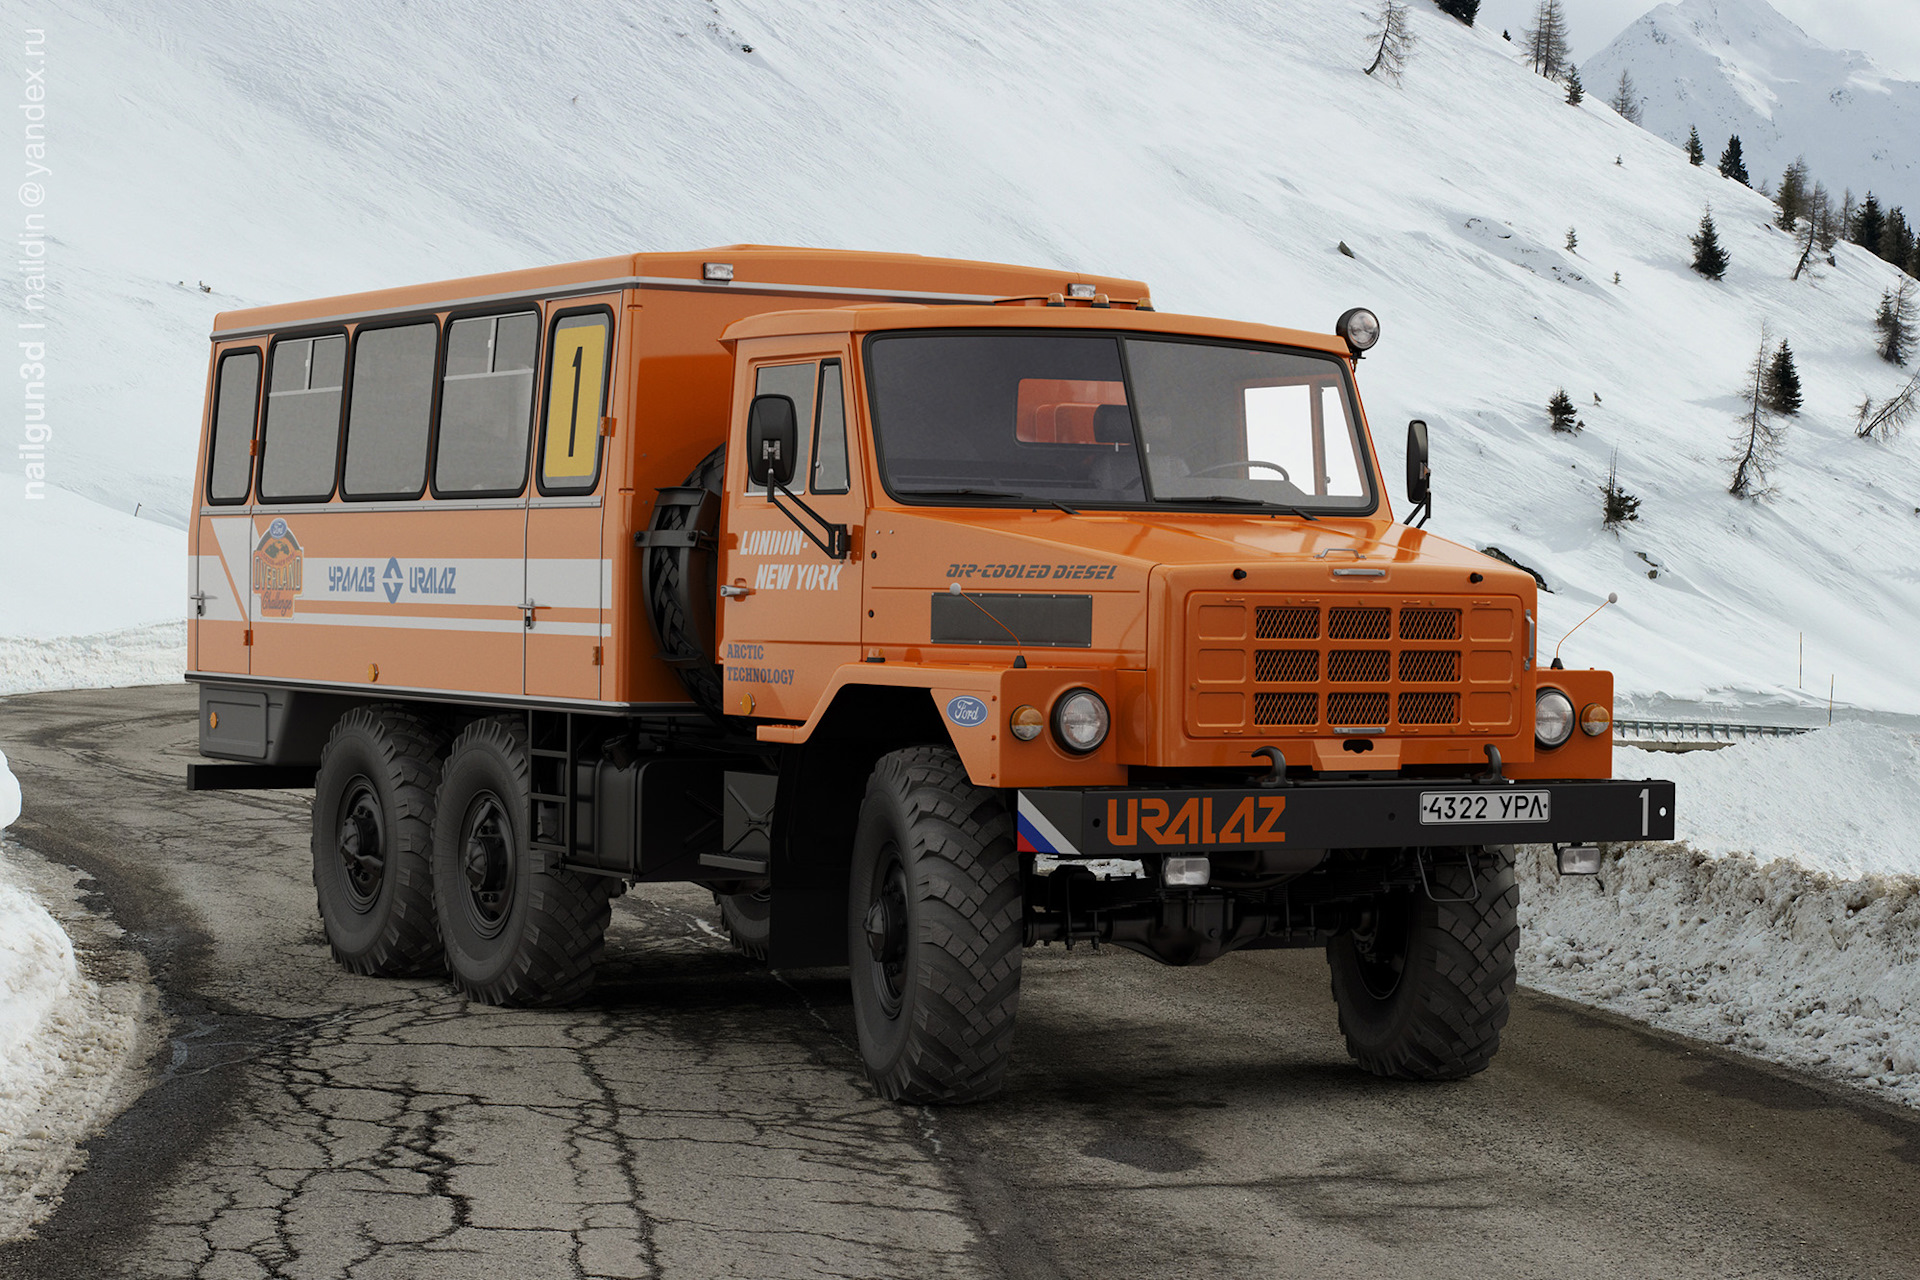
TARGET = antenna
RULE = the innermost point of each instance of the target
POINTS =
(1019, 659)
(1613, 597)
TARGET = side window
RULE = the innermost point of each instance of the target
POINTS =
(486, 405)
(300, 439)
(796, 382)
(390, 411)
(236, 398)
(576, 398)
(830, 433)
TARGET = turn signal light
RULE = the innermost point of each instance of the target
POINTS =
(1595, 720)
(1026, 723)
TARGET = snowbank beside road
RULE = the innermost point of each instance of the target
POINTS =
(1787, 922)
(64, 1042)
(154, 654)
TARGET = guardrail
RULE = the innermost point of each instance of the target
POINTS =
(1703, 730)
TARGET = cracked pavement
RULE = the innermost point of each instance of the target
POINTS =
(699, 1116)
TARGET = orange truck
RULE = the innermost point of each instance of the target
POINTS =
(922, 610)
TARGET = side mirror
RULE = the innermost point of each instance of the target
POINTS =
(773, 440)
(1419, 471)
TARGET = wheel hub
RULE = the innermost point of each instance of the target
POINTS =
(886, 928)
(360, 844)
(487, 861)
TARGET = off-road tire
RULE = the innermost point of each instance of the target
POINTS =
(748, 920)
(1441, 1018)
(666, 606)
(537, 939)
(941, 1029)
(382, 762)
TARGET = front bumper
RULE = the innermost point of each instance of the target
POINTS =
(1129, 822)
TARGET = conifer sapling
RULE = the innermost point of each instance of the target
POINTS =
(1731, 163)
(1576, 92)
(1617, 506)
(1696, 154)
(1895, 324)
(1782, 392)
(1709, 259)
(1560, 410)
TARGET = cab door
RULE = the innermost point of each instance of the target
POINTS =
(568, 577)
(220, 599)
(790, 614)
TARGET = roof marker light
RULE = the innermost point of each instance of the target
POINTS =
(1080, 291)
(722, 271)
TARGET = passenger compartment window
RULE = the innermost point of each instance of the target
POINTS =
(390, 411)
(300, 439)
(236, 400)
(486, 405)
(576, 399)
(796, 382)
(830, 433)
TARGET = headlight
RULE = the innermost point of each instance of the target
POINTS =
(1552, 718)
(1595, 720)
(1360, 327)
(1026, 723)
(1080, 721)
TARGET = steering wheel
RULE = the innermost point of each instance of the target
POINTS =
(1250, 462)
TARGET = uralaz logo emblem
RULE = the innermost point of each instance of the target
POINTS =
(774, 542)
(1253, 821)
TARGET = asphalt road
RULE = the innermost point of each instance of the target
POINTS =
(700, 1117)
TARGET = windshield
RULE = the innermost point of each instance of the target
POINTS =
(993, 418)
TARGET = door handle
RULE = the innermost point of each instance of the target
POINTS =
(526, 613)
(734, 591)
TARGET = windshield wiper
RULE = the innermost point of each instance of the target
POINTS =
(960, 493)
(1238, 501)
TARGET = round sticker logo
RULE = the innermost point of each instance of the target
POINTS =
(967, 711)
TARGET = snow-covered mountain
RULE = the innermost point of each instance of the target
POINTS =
(1739, 67)
(1221, 152)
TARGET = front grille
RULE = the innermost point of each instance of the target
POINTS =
(1297, 667)
(1358, 624)
(1286, 666)
(1357, 710)
(1286, 708)
(1271, 623)
(1359, 666)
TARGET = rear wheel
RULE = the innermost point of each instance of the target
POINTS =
(934, 930)
(373, 804)
(748, 918)
(516, 929)
(1422, 986)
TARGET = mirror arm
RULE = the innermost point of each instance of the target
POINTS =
(837, 543)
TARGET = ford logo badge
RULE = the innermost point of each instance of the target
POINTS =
(967, 711)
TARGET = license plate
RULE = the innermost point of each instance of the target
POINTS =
(1448, 808)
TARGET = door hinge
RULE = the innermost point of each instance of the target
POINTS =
(246, 637)
(607, 426)
(596, 655)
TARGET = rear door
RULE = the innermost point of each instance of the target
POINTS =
(220, 599)
(568, 579)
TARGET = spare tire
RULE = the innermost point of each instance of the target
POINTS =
(679, 579)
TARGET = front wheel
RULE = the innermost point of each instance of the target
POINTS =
(934, 930)
(1422, 985)
(516, 929)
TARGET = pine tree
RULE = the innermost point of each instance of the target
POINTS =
(1709, 259)
(1626, 99)
(1757, 443)
(1395, 36)
(1617, 506)
(1731, 164)
(1576, 92)
(1896, 238)
(1792, 198)
(1826, 219)
(1547, 39)
(1573, 240)
(1782, 392)
(1817, 231)
(1895, 324)
(1696, 154)
(1465, 10)
(1867, 224)
(1560, 410)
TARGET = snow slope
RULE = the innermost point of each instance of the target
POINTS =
(1219, 152)
(65, 1042)
(1739, 67)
